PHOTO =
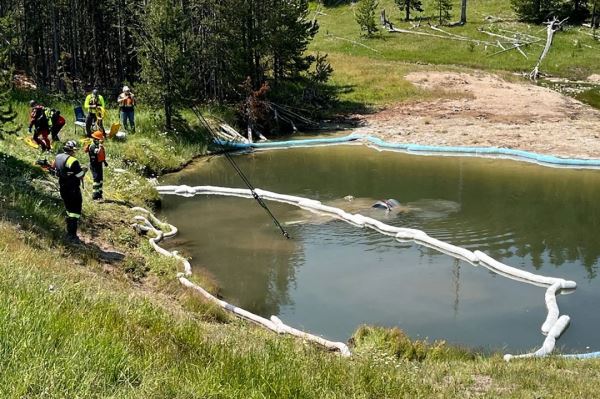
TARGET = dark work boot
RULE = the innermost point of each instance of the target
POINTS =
(72, 230)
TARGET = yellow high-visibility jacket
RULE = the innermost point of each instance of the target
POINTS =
(92, 100)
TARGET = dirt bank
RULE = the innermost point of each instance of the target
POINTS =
(491, 112)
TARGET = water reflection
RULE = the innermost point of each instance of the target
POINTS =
(257, 265)
(456, 283)
(331, 276)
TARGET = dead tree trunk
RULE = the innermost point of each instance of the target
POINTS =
(386, 23)
(463, 12)
(595, 18)
(553, 26)
(56, 49)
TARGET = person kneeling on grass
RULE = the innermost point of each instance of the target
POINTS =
(38, 121)
(97, 155)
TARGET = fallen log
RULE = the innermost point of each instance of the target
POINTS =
(515, 40)
(524, 35)
(462, 39)
(515, 47)
(506, 38)
(518, 47)
(435, 28)
(389, 26)
(352, 41)
(230, 134)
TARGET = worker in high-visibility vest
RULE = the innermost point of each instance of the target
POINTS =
(94, 105)
(70, 175)
(55, 121)
(127, 104)
(97, 155)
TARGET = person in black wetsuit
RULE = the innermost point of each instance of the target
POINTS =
(387, 204)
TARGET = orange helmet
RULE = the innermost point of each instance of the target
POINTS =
(98, 135)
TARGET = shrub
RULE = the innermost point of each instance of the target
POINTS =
(365, 16)
(539, 11)
(394, 341)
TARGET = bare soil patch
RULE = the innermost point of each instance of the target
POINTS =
(491, 112)
(595, 78)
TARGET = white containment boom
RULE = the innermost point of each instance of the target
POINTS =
(553, 326)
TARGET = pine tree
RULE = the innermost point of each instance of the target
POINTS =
(463, 12)
(542, 10)
(290, 31)
(595, 17)
(163, 36)
(408, 5)
(365, 16)
(443, 7)
(7, 114)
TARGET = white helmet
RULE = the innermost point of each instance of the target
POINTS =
(125, 88)
(70, 145)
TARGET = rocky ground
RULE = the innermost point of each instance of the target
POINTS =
(486, 110)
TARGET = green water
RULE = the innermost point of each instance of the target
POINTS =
(591, 97)
(331, 276)
(586, 92)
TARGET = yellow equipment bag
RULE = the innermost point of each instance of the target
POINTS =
(114, 129)
(29, 141)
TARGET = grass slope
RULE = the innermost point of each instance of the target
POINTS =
(373, 69)
(68, 331)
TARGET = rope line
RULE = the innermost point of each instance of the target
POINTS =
(239, 171)
(150, 223)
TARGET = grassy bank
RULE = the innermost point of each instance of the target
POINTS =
(30, 198)
(69, 329)
(373, 69)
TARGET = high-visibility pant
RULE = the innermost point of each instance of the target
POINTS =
(73, 201)
(98, 176)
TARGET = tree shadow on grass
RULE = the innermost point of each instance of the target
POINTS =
(30, 200)
(27, 197)
(335, 3)
(346, 107)
(189, 133)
